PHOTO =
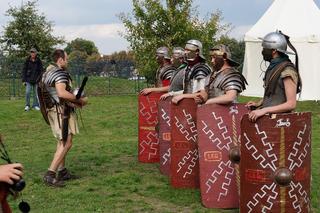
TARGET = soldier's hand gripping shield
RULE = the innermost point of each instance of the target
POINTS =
(276, 163)
(218, 136)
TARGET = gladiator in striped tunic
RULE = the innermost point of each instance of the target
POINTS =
(50, 78)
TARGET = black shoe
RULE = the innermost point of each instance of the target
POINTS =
(65, 175)
(50, 179)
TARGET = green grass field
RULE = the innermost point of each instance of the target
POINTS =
(104, 155)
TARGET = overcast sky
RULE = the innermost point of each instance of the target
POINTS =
(97, 20)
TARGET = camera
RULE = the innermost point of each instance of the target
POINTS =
(18, 186)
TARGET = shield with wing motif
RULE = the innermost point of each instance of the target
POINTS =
(184, 168)
(164, 111)
(219, 133)
(148, 149)
(275, 163)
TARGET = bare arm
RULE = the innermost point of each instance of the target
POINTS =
(202, 96)
(289, 105)
(64, 94)
(180, 92)
(192, 95)
(253, 104)
(172, 93)
(160, 89)
(178, 98)
(146, 91)
(227, 98)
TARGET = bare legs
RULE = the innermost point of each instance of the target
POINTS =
(60, 154)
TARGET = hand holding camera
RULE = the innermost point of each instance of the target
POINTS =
(11, 174)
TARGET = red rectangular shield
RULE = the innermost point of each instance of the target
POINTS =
(184, 166)
(275, 163)
(148, 148)
(218, 132)
(164, 111)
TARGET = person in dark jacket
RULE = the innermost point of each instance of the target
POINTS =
(30, 76)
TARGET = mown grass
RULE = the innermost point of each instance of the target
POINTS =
(104, 155)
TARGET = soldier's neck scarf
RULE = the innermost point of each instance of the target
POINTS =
(274, 62)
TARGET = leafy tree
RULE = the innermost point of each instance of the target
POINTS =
(93, 58)
(1, 56)
(95, 64)
(28, 29)
(118, 64)
(80, 44)
(77, 55)
(122, 55)
(156, 23)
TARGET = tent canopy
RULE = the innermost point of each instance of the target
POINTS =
(298, 19)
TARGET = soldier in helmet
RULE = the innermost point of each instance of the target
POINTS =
(176, 83)
(178, 58)
(281, 81)
(195, 72)
(225, 83)
(164, 72)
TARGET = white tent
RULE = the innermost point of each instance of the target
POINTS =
(300, 20)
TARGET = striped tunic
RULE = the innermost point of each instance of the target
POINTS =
(55, 75)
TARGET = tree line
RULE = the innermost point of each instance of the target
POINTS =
(151, 24)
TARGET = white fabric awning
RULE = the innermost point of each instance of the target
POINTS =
(298, 18)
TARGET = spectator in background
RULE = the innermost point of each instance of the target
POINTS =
(31, 73)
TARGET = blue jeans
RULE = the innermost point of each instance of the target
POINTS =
(32, 87)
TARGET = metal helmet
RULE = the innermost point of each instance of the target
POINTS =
(276, 41)
(178, 52)
(223, 50)
(164, 52)
(195, 45)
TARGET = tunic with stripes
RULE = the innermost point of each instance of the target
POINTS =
(164, 75)
(52, 76)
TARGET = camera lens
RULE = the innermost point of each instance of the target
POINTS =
(19, 185)
(24, 207)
